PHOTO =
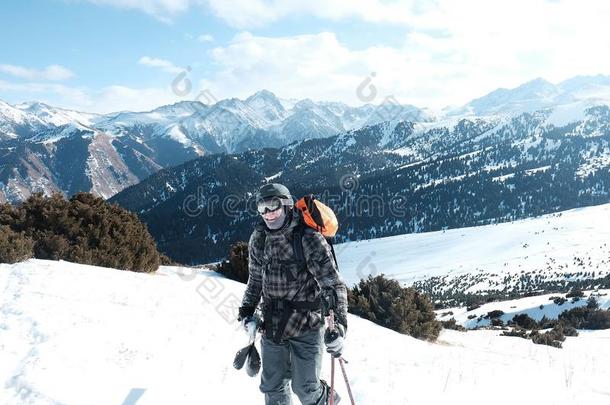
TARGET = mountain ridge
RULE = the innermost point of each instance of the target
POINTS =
(143, 142)
(468, 172)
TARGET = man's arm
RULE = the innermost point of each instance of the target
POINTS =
(321, 264)
(254, 287)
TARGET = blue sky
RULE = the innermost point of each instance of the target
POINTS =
(110, 55)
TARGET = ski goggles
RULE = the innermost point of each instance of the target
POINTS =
(266, 206)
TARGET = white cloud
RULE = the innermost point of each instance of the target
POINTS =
(205, 38)
(486, 44)
(51, 93)
(164, 10)
(256, 13)
(320, 67)
(451, 53)
(163, 64)
(108, 99)
(299, 66)
(119, 98)
(51, 72)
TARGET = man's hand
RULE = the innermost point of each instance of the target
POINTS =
(249, 321)
(250, 324)
(334, 339)
(245, 312)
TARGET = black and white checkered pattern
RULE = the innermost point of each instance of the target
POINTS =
(275, 274)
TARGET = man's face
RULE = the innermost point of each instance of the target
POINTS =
(270, 209)
(272, 215)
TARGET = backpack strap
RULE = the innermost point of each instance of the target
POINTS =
(297, 243)
(332, 249)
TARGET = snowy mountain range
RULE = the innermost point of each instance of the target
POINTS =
(44, 148)
(538, 94)
(389, 179)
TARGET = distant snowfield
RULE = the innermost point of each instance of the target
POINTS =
(75, 334)
(528, 305)
(545, 245)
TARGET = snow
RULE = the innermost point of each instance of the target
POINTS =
(593, 164)
(404, 151)
(537, 169)
(229, 122)
(169, 187)
(593, 88)
(444, 180)
(408, 165)
(562, 115)
(66, 131)
(55, 116)
(77, 334)
(8, 112)
(547, 243)
(350, 142)
(178, 135)
(11, 117)
(386, 129)
(504, 177)
(527, 305)
(266, 105)
(273, 177)
(567, 99)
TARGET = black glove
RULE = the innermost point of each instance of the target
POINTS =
(249, 321)
(244, 312)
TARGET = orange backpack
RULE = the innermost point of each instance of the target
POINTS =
(318, 216)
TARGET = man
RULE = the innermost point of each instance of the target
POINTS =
(292, 288)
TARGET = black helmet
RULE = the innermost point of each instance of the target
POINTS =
(274, 190)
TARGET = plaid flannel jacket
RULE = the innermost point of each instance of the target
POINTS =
(273, 276)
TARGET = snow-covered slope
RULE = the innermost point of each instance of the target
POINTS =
(536, 307)
(14, 121)
(267, 105)
(34, 135)
(563, 246)
(55, 116)
(538, 94)
(74, 334)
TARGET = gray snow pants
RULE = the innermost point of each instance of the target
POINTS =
(300, 359)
